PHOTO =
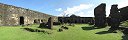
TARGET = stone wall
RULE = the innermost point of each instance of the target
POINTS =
(10, 15)
(76, 19)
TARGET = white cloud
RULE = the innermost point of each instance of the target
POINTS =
(80, 14)
(59, 9)
(108, 10)
(122, 4)
(76, 10)
(90, 13)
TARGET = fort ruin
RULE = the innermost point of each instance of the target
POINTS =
(12, 15)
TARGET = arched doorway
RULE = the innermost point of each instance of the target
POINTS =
(21, 20)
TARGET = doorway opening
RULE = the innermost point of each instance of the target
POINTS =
(21, 20)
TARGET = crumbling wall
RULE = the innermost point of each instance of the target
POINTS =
(114, 17)
(124, 13)
(10, 15)
(75, 19)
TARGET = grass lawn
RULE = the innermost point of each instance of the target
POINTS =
(78, 32)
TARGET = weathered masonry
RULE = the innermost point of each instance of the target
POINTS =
(124, 13)
(12, 15)
(100, 15)
(76, 19)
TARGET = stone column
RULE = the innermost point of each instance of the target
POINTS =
(50, 23)
(100, 15)
(114, 17)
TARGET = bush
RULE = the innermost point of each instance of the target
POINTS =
(124, 23)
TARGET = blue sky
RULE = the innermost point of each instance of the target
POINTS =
(82, 8)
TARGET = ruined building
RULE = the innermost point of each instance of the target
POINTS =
(124, 13)
(76, 19)
(114, 13)
(114, 18)
(12, 15)
(100, 15)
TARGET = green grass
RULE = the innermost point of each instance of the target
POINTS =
(73, 33)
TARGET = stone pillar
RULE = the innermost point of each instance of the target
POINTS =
(100, 15)
(50, 23)
(114, 17)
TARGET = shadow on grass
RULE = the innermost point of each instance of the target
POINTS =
(89, 28)
(104, 32)
(36, 30)
(33, 30)
(125, 37)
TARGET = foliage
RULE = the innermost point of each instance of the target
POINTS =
(124, 23)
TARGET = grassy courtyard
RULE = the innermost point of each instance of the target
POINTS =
(78, 32)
